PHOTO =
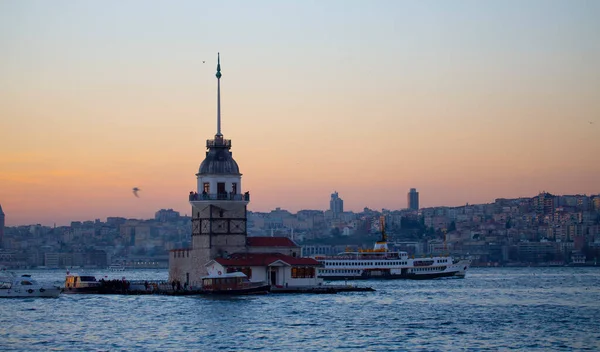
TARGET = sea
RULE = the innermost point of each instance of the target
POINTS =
(525, 309)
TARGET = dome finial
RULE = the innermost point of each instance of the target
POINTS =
(218, 66)
(219, 95)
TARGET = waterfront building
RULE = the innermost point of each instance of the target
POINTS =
(219, 224)
(336, 205)
(276, 269)
(412, 199)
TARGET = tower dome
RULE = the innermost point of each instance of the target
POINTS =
(219, 160)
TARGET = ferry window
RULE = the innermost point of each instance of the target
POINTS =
(26, 283)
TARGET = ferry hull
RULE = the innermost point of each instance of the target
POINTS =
(396, 277)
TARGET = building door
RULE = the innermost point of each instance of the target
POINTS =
(222, 194)
(273, 277)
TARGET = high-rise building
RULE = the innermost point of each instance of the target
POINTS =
(336, 205)
(1, 226)
(412, 199)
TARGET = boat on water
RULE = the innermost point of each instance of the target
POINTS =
(235, 283)
(381, 263)
(116, 267)
(13, 286)
(75, 283)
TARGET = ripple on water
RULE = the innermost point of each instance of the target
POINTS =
(492, 309)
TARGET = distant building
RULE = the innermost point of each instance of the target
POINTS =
(51, 260)
(166, 215)
(1, 227)
(336, 205)
(412, 199)
(545, 203)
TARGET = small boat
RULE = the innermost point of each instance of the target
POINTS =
(236, 283)
(116, 267)
(81, 284)
(15, 286)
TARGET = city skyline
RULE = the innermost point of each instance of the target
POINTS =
(153, 214)
(467, 102)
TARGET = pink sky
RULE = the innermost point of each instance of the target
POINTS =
(95, 101)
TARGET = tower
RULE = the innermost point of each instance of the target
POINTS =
(336, 205)
(1, 227)
(218, 207)
(412, 199)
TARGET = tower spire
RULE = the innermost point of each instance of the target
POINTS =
(218, 96)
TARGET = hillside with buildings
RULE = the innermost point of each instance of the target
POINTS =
(542, 230)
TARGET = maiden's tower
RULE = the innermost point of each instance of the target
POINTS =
(218, 208)
(219, 235)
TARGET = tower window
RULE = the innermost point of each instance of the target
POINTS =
(234, 188)
(206, 188)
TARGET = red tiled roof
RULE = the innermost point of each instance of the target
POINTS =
(263, 259)
(270, 242)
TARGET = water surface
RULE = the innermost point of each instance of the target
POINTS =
(492, 309)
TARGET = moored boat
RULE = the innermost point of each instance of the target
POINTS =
(75, 283)
(381, 263)
(13, 286)
(235, 283)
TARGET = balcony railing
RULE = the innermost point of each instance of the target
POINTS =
(218, 142)
(219, 196)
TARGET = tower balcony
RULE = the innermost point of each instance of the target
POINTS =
(207, 197)
(218, 142)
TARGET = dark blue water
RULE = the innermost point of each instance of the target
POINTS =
(492, 309)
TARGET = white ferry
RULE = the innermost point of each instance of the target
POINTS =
(380, 263)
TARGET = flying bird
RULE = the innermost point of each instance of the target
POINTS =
(135, 190)
(591, 122)
(203, 61)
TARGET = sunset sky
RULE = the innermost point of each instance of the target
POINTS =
(467, 101)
